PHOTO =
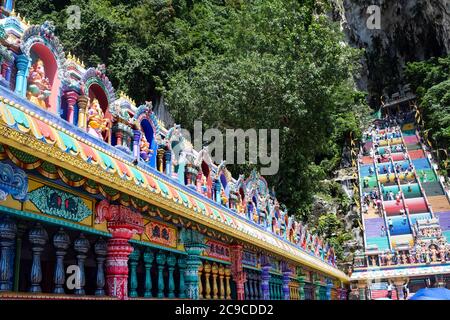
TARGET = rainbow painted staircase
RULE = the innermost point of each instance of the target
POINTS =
(407, 201)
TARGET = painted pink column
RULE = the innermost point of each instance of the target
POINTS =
(237, 271)
(71, 98)
(122, 223)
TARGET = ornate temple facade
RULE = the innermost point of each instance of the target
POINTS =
(94, 204)
(405, 208)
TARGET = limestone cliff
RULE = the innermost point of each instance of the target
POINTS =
(410, 30)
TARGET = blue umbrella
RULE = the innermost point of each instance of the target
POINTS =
(431, 294)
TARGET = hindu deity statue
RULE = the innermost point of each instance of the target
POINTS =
(433, 253)
(442, 253)
(39, 88)
(373, 261)
(262, 208)
(418, 255)
(388, 257)
(427, 256)
(204, 185)
(146, 152)
(97, 123)
(404, 258)
(223, 198)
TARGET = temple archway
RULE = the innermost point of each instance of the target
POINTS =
(101, 95)
(43, 64)
(149, 133)
(43, 83)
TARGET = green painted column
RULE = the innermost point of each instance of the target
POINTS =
(317, 287)
(301, 287)
(182, 269)
(148, 260)
(133, 261)
(171, 262)
(160, 261)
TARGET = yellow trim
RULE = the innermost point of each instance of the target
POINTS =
(56, 156)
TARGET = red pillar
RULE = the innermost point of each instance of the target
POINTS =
(237, 271)
(123, 223)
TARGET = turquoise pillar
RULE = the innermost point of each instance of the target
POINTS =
(160, 261)
(194, 246)
(168, 157)
(182, 269)
(133, 260)
(171, 262)
(148, 260)
(22, 62)
(217, 188)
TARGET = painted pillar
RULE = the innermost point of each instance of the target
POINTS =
(329, 288)
(182, 270)
(207, 269)
(317, 290)
(22, 62)
(168, 158)
(81, 246)
(122, 223)
(301, 287)
(117, 263)
(215, 288)
(200, 285)
(82, 109)
(38, 237)
(265, 282)
(251, 293)
(100, 250)
(246, 292)
(237, 270)
(133, 261)
(256, 286)
(136, 144)
(71, 98)
(160, 261)
(227, 283)
(21, 230)
(8, 230)
(194, 249)
(217, 189)
(221, 283)
(160, 155)
(61, 242)
(286, 280)
(171, 263)
(119, 138)
(148, 260)
(271, 290)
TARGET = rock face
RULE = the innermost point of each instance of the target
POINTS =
(410, 30)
